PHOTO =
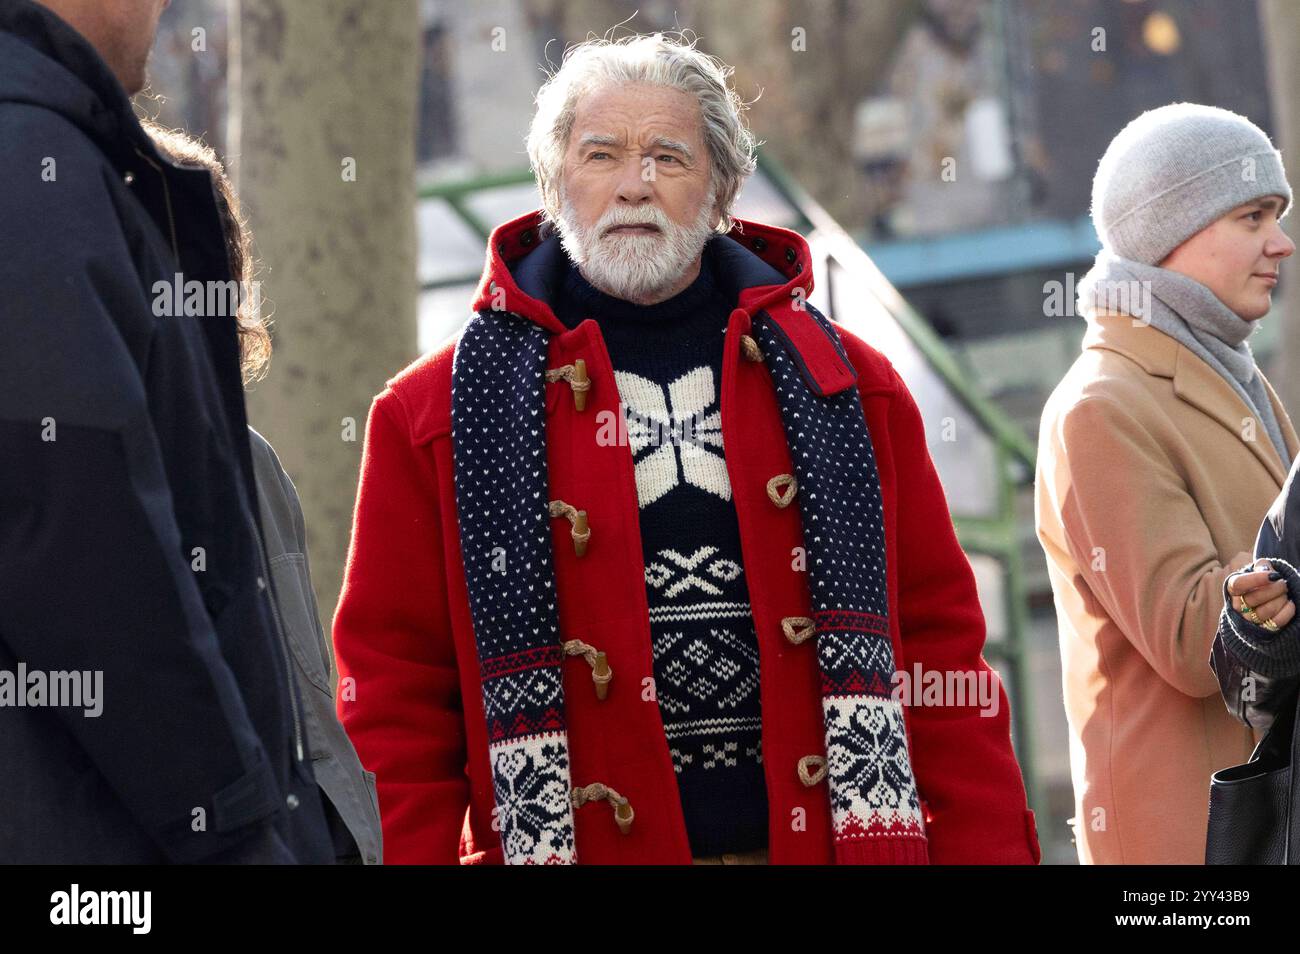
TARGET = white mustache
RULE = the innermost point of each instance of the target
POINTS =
(632, 269)
(621, 222)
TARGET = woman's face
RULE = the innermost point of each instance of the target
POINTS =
(1238, 256)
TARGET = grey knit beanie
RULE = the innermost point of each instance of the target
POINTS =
(1172, 171)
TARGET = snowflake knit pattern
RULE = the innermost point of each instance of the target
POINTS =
(667, 361)
(498, 450)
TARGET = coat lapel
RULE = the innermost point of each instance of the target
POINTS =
(1202, 387)
(1284, 421)
(1194, 381)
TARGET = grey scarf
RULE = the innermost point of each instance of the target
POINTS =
(1192, 315)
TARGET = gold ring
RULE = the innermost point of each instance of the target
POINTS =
(1245, 607)
(1269, 625)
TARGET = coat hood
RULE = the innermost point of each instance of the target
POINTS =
(44, 62)
(765, 270)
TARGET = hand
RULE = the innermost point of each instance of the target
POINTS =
(1268, 598)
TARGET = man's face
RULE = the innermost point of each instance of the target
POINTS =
(637, 197)
(122, 31)
(135, 28)
(1238, 256)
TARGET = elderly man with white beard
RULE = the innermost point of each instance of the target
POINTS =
(576, 575)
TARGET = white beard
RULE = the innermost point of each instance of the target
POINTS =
(631, 266)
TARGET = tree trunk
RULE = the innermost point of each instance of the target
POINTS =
(321, 134)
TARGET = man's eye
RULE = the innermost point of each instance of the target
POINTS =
(1254, 216)
(666, 156)
(596, 155)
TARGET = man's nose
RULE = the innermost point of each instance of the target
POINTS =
(633, 186)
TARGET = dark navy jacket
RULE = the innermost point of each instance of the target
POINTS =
(129, 537)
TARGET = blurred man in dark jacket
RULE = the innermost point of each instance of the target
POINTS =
(130, 548)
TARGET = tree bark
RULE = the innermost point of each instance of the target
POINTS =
(322, 123)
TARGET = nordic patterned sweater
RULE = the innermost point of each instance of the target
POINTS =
(667, 360)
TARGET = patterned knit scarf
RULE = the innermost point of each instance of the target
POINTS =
(499, 448)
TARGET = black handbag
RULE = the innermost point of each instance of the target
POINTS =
(1251, 822)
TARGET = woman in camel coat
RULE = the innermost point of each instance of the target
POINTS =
(1159, 454)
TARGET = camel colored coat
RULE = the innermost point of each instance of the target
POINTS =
(1152, 474)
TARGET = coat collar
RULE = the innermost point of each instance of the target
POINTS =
(767, 269)
(50, 65)
(1194, 381)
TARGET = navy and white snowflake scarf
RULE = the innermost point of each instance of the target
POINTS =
(499, 448)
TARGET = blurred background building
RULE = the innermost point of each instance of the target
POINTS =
(938, 154)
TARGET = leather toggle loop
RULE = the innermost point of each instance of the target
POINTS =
(601, 673)
(749, 349)
(580, 531)
(818, 765)
(598, 791)
(576, 375)
(779, 496)
(797, 629)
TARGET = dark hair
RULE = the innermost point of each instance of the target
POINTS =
(254, 338)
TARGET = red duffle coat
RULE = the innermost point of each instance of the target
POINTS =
(410, 693)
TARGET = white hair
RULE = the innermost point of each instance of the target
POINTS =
(651, 59)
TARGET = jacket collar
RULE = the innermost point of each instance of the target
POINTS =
(47, 63)
(767, 270)
(1194, 381)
